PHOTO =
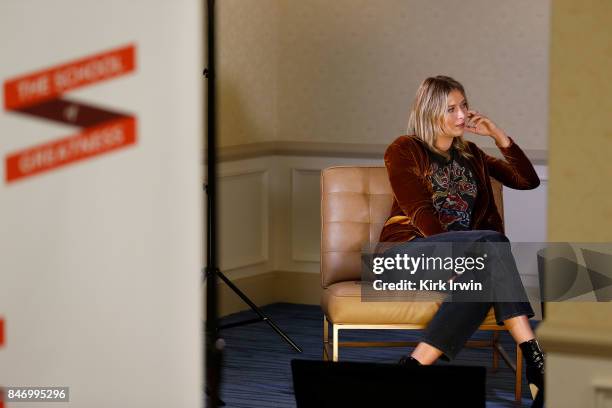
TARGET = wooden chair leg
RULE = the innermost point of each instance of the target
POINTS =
(519, 374)
(335, 342)
(325, 338)
(494, 342)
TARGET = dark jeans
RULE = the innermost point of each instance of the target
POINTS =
(456, 321)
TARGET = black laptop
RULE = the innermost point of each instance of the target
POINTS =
(322, 384)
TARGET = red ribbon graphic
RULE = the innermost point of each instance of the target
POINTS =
(39, 94)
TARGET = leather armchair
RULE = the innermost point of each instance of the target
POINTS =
(355, 203)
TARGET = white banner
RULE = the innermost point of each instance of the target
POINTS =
(100, 200)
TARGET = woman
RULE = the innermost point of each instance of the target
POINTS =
(442, 193)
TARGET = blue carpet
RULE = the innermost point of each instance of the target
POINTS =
(256, 361)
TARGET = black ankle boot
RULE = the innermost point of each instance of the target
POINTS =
(409, 361)
(535, 369)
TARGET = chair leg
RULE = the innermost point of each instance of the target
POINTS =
(335, 340)
(495, 351)
(325, 338)
(519, 374)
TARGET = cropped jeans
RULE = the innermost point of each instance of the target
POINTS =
(455, 322)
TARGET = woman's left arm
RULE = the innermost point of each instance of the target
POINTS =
(515, 171)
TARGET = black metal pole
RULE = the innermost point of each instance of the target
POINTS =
(213, 343)
(213, 349)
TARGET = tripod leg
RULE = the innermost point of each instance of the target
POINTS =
(257, 310)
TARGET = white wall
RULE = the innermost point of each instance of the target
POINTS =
(347, 70)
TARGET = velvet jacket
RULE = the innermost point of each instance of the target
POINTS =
(413, 213)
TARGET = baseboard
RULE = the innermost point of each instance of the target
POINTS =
(271, 287)
(298, 287)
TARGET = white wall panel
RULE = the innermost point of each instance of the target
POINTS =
(305, 214)
(244, 219)
(525, 211)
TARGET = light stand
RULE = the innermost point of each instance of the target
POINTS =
(213, 343)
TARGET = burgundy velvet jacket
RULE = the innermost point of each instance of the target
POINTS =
(413, 213)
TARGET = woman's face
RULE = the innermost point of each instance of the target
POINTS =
(455, 116)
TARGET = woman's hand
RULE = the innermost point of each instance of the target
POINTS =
(479, 124)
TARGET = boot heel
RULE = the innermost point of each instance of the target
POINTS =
(534, 370)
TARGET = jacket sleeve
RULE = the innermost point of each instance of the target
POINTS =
(411, 190)
(515, 171)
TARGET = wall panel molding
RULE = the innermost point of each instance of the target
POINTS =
(243, 207)
(305, 214)
(328, 149)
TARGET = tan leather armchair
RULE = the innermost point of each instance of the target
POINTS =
(355, 203)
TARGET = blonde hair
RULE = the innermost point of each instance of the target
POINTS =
(428, 110)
